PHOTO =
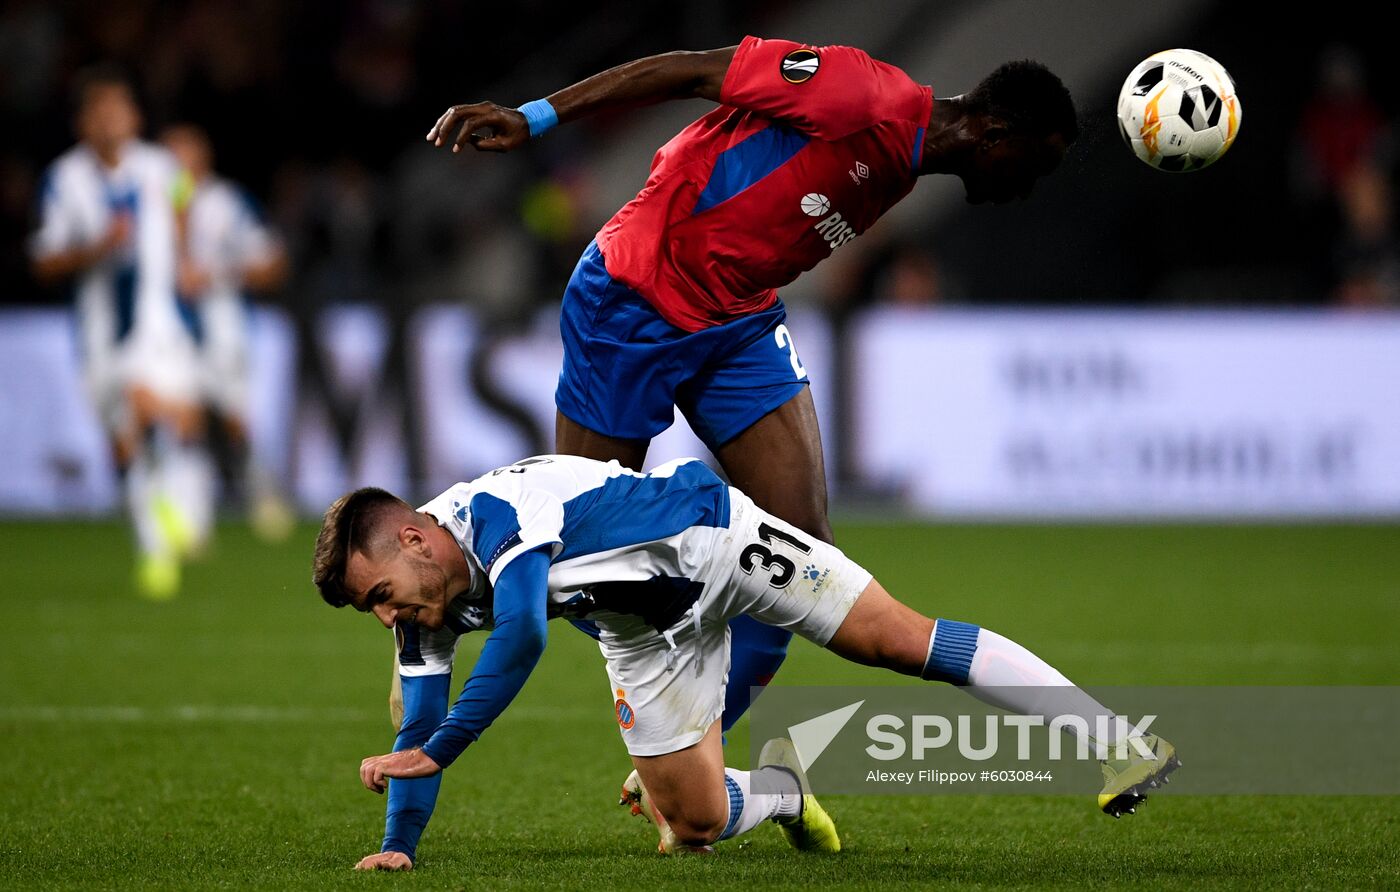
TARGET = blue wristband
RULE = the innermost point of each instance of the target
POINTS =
(540, 115)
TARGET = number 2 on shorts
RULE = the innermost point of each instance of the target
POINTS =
(783, 337)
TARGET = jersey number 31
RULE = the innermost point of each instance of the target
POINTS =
(780, 569)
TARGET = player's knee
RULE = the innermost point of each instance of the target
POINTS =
(698, 820)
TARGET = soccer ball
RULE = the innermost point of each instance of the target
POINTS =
(1178, 110)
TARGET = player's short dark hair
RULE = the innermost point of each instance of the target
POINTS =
(352, 523)
(96, 76)
(1029, 98)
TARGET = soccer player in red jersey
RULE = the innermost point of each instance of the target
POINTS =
(675, 302)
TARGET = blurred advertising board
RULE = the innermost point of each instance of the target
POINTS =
(950, 413)
(1131, 413)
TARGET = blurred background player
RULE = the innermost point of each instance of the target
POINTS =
(674, 304)
(107, 224)
(223, 251)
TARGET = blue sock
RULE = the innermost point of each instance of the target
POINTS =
(755, 653)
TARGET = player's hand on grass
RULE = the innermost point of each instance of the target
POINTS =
(376, 770)
(487, 126)
(385, 861)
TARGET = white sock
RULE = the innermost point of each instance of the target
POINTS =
(748, 809)
(190, 487)
(1002, 673)
(140, 505)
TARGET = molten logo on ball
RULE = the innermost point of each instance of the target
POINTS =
(1178, 111)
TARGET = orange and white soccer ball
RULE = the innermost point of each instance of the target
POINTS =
(1178, 110)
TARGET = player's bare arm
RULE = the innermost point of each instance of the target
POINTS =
(62, 265)
(489, 127)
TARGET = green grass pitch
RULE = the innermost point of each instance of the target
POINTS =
(214, 741)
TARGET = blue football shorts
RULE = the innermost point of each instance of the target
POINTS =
(626, 368)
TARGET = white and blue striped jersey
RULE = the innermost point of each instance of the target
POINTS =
(134, 290)
(617, 539)
(224, 235)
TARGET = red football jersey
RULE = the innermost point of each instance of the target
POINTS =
(808, 148)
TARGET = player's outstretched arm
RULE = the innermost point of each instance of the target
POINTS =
(506, 661)
(520, 603)
(489, 127)
(411, 800)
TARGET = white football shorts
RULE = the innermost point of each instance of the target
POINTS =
(165, 363)
(668, 686)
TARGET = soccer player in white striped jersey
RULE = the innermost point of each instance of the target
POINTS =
(660, 562)
(224, 251)
(107, 225)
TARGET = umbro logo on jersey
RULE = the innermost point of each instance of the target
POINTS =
(800, 65)
(859, 172)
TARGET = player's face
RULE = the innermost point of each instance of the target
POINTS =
(189, 148)
(403, 587)
(108, 116)
(1006, 168)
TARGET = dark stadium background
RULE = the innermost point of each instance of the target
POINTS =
(296, 93)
